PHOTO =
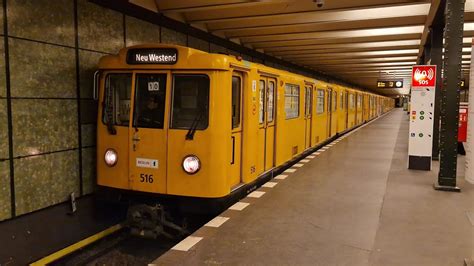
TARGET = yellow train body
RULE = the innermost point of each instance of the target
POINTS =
(258, 118)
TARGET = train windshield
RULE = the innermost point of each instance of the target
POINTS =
(190, 103)
(150, 98)
(117, 99)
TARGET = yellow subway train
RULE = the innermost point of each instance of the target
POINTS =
(196, 128)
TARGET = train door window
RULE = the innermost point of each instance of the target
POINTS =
(334, 103)
(236, 91)
(292, 101)
(359, 100)
(320, 103)
(190, 102)
(307, 101)
(342, 100)
(117, 99)
(271, 101)
(150, 91)
(351, 101)
(261, 113)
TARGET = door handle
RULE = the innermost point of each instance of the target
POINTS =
(136, 138)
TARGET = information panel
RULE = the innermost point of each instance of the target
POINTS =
(421, 117)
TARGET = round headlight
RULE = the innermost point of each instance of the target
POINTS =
(191, 164)
(110, 157)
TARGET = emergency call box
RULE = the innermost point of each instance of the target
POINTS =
(420, 142)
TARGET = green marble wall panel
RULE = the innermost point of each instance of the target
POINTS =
(88, 170)
(41, 126)
(42, 20)
(172, 37)
(218, 49)
(88, 135)
(197, 43)
(42, 70)
(3, 90)
(3, 129)
(5, 204)
(45, 180)
(100, 29)
(140, 32)
(88, 64)
(1, 17)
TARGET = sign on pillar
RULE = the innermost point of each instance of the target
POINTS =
(423, 86)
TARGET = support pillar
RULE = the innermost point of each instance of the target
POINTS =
(454, 17)
(436, 59)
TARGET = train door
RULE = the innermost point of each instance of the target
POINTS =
(236, 129)
(149, 129)
(334, 113)
(329, 111)
(266, 133)
(307, 115)
(320, 117)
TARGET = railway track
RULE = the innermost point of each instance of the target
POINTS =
(121, 248)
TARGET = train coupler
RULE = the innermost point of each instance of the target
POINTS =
(152, 221)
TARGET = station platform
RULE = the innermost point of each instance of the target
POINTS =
(353, 202)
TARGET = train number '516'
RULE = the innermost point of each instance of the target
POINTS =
(146, 178)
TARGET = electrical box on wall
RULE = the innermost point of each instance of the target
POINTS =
(421, 117)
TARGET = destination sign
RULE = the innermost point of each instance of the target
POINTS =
(152, 56)
(389, 84)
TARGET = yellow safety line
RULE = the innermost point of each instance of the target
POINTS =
(68, 250)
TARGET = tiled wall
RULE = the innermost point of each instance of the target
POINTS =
(53, 50)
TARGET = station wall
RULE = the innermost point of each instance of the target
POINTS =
(49, 50)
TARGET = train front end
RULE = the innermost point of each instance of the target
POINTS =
(159, 137)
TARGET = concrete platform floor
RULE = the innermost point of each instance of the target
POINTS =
(354, 204)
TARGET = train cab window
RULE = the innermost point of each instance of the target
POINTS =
(117, 99)
(236, 91)
(292, 101)
(261, 112)
(320, 102)
(271, 102)
(190, 108)
(150, 96)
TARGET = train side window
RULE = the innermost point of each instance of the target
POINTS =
(351, 101)
(190, 101)
(261, 112)
(117, 99)
(236, 91)
(292, 101)
(342, 100)
(271, 102)
(320, 103)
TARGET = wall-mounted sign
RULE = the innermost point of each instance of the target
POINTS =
(423, 76)
(389, 84)
(152, 56)
(421, 120)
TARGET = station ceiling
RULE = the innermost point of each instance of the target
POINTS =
(358, 41)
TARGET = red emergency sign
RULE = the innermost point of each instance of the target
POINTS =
(423, 76)
(462, 130)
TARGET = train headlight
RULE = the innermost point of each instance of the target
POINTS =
(191, 164)
(110, 157)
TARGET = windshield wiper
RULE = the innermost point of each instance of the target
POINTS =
(108, 108)
(194, 125)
